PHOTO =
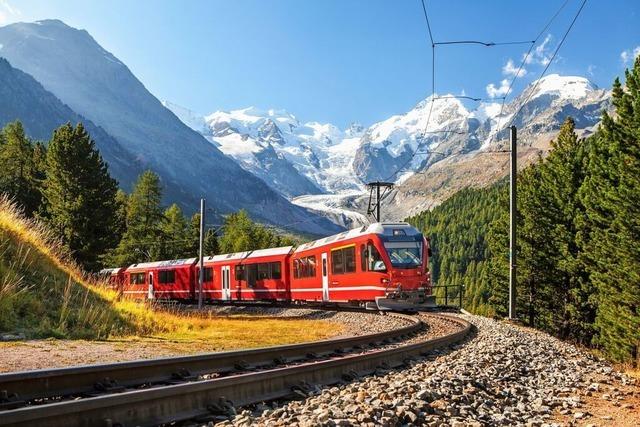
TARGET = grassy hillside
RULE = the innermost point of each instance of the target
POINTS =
(44, 294)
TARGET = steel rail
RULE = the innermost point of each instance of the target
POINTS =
(79, 380)
(196, 399)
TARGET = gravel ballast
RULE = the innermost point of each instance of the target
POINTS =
(504, 375)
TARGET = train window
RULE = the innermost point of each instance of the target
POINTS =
(136, 278)
(343, 260)
(263, 271)
(312, 266)
(166, 276)
(208, 274)
(240, 272)
(371, 259)
(303, 267)
(349, 259)
(252, 274)
(363, 257)
(337, 262)
(276, 270)
(296, 268)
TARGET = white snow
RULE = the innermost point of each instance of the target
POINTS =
(486, 110)
(190, 118)
(320, 151)
(566, 87)
(332, 205)
(325, 154)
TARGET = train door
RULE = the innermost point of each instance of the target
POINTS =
(226, 283)
(150, 291)
(325, 278)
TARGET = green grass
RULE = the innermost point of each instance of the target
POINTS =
(43, 294)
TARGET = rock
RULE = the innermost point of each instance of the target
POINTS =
(505, 375)
(12, 337)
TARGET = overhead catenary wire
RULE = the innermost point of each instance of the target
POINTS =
(470, 98)
(433, 96)
(524, 61)
(555, 53)
(433, 91)
(486, 44)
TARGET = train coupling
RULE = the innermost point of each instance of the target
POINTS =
(405, 301)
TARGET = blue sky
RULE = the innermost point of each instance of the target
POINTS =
(339, 60)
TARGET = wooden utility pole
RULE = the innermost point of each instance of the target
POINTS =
(201, 260)
(513, 211)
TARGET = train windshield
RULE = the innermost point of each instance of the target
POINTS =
(404, 254)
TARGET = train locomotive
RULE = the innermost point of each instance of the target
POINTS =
(379, 266)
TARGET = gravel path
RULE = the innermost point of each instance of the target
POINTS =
(505, 375)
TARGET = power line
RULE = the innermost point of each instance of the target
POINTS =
(426, 17)
(471, 98)
(524, 61)
(564, 37)
(486, 44)
(433, 90)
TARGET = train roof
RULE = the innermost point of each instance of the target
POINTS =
(167, 263)
(284, 250)
(111, 271)
(383, 228)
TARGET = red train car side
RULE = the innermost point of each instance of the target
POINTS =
(114, 277)
(382, 265)
(173, 279)
(374, 263)
(260, 275)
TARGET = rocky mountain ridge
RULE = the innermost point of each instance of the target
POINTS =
(95, 84)
(429, 151)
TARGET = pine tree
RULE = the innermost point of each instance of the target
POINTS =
(80, 195)
(211, 246)
(562, 176)
(20, 177)
(142, 240)
(239, 233)
(610, 232)
(176, 235)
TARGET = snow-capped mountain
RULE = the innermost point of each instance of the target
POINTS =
(294, 158)
(393, 149)
(538, 112)
(137, 131)
(311, 162)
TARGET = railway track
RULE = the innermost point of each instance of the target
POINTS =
(201, 387)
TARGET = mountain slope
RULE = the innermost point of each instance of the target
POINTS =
(94, 83)
(538, 112)
(294, 158)
(460, 147)
(41, 112)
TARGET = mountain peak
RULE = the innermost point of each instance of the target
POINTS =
(565, 87)
(52, 22)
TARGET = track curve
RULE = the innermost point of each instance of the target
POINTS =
(192, 398)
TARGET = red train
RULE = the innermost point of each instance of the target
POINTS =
(382, 265)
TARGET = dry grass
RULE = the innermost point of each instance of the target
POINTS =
(227, 333)
(44, 294)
